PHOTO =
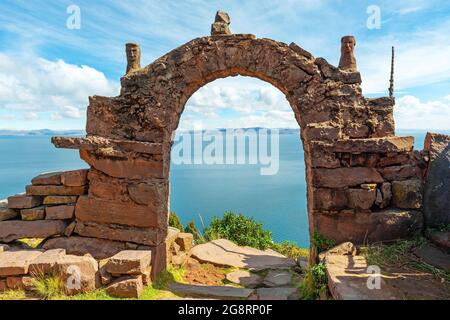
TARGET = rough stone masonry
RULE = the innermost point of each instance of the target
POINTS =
(364, 184)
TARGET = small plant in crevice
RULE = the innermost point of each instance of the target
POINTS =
(322, 243)
(315, 283)
(290, 249)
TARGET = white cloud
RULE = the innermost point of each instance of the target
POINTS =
(421, 59)
(30, 86)
(412, 113)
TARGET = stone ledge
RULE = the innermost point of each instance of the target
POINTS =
(93, 143)
(375, 145)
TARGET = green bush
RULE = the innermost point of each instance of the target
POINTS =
(191, 228)
(321, 243)
(239, 229)
(315, 282)
(290, 250)
(174, 221)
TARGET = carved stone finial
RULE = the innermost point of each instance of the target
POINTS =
(133, 51)
(348, 61)
(221, 25)
(391, 80)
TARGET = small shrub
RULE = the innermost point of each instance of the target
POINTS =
(191, 228)
(239, 229)
(322, 243)
(315, 282)
(290, 250)
(48, 287)
(174, 221)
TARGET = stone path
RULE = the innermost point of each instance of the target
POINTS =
(223, 292)
(225, 253)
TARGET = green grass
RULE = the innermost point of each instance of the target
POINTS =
(400, 254)
(290, 250)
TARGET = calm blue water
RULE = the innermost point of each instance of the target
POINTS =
(278, 201)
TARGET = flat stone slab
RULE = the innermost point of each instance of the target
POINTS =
(98, 248)
(347, 279)
(432, 255)
(51, 190)
(278, 278)
(33, 214)
(375, 145)
(13, 230)
(129, 262)
(55, 200)
(441, 239)
(221, 292)
(225, 253)
(22, 201)
(277, 293)
(244, 278)
(46, 178)
(45, 263)
(14, 263)
(5, 212)
(77, 274)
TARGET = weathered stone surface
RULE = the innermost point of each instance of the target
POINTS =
(20, 283)
(433, 256)
(55, 200)
(13, 230)
(45, 263)
(123, 167)
(185, 241)
(303, 263)
(23, 202)
(221, 25)
(105, 277)
(55, 191)
(92, 143)
(370, 227)
(103, 211)
(14, 263)
(218, 292)
(7, 213)
(78, 274)
(225, 253)
(400, 172)
(407, 194)
(278, 278)
(3, 247)
(276, 293)
(384, 195)
(52, 178)
(126, 287)
(59, 212)
(98, 248)
(437, 187)
(75, 178)
(375, 145)
(147, 194)
(360, 198)
(330, 199)
(129, 262)
(345, 177)
(348, 278)
(70, 229)
(343, 249)
(244, 278)
(3, 286)
(439, 238)
(145, 236)
(33, 214)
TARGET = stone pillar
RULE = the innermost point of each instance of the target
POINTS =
(348, 61)
(221, 25)
(133, 52)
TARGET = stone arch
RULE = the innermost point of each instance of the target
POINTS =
(351, 152)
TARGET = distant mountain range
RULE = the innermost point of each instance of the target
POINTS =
(41, 132)
(48, 132)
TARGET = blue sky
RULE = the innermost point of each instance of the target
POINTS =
(47, 71)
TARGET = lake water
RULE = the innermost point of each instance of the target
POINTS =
(198, 192)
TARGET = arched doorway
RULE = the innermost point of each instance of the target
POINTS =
(351, 153)
(252, 115)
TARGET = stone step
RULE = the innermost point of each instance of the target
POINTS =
(433, 256)
(221, 292)
(348, 278)
(375, 145)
